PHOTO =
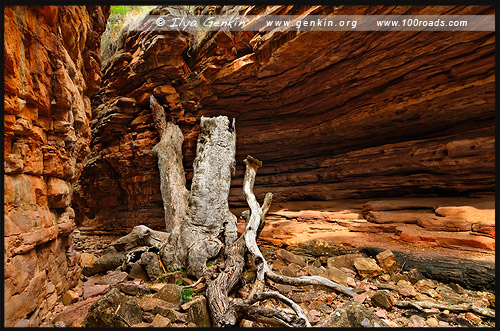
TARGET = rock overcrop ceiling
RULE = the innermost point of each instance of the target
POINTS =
(52, 68)
(332, 115)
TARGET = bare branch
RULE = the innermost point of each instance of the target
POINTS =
(172, 184)
(276, 317)
(420, 305)
(273, 295)
(265, 208)
(217, 291)
(253, 222)
(310, 280)
(196, 283)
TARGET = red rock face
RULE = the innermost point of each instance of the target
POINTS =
(332, 115)
(52, 67)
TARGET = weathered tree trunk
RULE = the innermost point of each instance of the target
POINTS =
(172, 184)
(199, 225)
(208, 219)
(199, 219)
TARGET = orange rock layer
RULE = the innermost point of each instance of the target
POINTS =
(52, 67)
(332, 115)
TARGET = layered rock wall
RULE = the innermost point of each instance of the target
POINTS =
(52, 67)
(332, 115)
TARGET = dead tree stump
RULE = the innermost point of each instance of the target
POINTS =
(199, 224)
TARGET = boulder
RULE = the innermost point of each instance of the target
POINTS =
(352, 315)
(160, 321)
(351, 281)
(74, 314)
(423, 297)
(314, 316)
(381, 313)
(406, 289)
(137, 271)
(140, 235)
(150, 261)
(416, 321)
(87, 259)
(142, 325)
(311, 270)
(432, 322)
(114, 309)
(171, 277)
(108, 261)
(337, 275)
(289, 257)
(155, 305)
(345, 261)
(170, 293)
(198, 313)
(132, 288)
(397, 277)
(457, 288)
(361, 297)
(69, 297)
(287, 271)
(383, 299)
(387, 261)
(91, 290)
(432, 293)
(472, 317)
(174, 315)
(470, 213)
(424, 284)
(155, 287)
(112, 277)
(367, 267)
(385, 277)
(449, 295)
(414, 275)
(447, 223)
(147, 317)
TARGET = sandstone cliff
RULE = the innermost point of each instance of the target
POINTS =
(52, 67)
(335, 117)
(331, 114)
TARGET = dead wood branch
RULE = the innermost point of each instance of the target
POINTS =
(421, 305)
(197, 220)
(254, 218)
(310, 280)
(278, 296)
(272, 316)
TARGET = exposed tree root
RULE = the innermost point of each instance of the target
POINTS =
(200, 227)
(227, 312)
(421, 305)
(197, 220)
(273, 295)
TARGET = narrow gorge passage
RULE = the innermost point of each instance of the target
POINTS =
(371, 141)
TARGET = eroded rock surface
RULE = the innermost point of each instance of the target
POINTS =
(379, 300)
(332, 115)
(51, 68)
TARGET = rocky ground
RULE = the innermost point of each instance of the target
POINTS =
(145, 295)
